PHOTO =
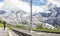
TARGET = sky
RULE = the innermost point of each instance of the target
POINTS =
(1, 0)
(1, 4)
(38, 5)
(37, 2)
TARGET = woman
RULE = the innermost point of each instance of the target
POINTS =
(4, 25)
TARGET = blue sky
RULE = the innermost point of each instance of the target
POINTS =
(37, 2)
(1, 0)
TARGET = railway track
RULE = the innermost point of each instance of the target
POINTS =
(20, 33)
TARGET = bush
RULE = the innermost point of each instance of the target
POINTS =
(40, 26)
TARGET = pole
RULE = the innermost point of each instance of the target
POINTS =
(30, 15)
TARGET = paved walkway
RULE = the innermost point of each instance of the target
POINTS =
(3, 32)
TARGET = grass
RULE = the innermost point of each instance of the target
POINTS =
(18, 26)
(1, 25)
(48, 30)
(37, 29)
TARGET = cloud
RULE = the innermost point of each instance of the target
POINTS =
(56, 2)
(1, 4)
(11, 4)
(26, 7)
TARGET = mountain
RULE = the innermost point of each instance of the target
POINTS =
(42, 14)
(52, 18)
(14, 14)
(55, 15)
(2, 12)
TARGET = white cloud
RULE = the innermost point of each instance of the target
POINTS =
(1, 4)
(11, 4)
(56, 2)
(26, 7)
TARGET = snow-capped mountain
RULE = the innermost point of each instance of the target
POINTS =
(2, 12)
(15, 10)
